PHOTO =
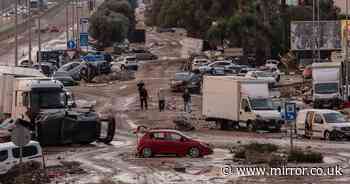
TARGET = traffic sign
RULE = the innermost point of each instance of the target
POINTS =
(84, 39)
(71, 44)
(290, 111)
(20, 135)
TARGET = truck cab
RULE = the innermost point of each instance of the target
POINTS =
(259, 113)
(327, 85)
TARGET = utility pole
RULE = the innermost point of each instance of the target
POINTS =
(78, 24)
(39, 43)
(73, 19)
(319, 31)
(67, 22)
(29, 24)
(313, 32)
(346, 51)
(16, 32)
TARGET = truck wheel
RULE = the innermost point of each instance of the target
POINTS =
(251, 126)
(110, 131)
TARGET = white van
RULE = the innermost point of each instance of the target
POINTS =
(320, 123)
(9, 155)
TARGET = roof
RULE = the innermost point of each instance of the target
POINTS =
(20, 71)
(11, 144)
(46, 84)
(326, 65)
(165, 130)
(319, 110)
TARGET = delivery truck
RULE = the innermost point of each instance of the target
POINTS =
(43, 104)
(234, 102)
(327, 84)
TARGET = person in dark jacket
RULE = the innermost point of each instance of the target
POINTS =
(187, 101)
(143, 98)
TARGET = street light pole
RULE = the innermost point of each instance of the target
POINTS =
(16, 32)
(30, 31)
(67, 22)
(78, 25)
(319, 31)
(313, 32)
(346, 51)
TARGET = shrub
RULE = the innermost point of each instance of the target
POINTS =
(261, 147)
(302, 156)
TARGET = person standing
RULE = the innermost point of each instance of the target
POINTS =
(144, 98)
(187, 101)
(161, 99)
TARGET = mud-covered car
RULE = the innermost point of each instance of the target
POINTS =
(183, 80)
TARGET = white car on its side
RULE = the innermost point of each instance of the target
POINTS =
(262, 75)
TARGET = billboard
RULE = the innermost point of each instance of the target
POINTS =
(327, 35)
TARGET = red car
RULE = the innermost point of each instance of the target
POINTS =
(156, 142)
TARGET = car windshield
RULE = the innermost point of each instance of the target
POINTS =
(50, 100)
(326, 88)
(182, 77)
(334, 118)
(262, 104)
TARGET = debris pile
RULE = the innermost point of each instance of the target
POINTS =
(114, 76)
(26, 173)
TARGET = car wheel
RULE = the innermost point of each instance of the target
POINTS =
(194, 152)
(147, 152)
(250, 126)
(327, 135)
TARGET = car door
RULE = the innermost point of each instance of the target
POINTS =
(317, 127)
(176, 143)
(159, 143)
(5, 161)
(245, 113)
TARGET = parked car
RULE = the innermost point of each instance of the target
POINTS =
(165, 30)
(307, 72)
(262, 75)
(188, 80)
(215, 65)
(326, 124)
(72, 69)
(272, 63)
(155, 142)
(198, 62)
(10, 155)
(46, 68)
(146, 56)
(5, 130)
(128, 62)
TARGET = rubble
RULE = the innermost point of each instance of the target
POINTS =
(115, 76)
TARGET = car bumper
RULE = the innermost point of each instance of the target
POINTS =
(269, 124)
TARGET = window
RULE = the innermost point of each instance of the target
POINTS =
(159, 136)
(3, 155)
(245, 105)
(27, 151)
(318, 119)
(174, 137)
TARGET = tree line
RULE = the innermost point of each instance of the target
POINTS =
(259, 26)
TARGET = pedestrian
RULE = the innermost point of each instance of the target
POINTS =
(144, 98)
(187, 101)
(161, 99)
(140, 85)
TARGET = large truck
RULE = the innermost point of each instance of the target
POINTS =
(43, 104)
(234, 102)
(327, 84)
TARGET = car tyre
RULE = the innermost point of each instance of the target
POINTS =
(251, 126)
(147, 152)
(194, 152)
(327, 136)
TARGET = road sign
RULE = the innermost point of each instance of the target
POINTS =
(20, 135)
(71, 44)
(290, 111)
(84, 39)
(84, 25)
